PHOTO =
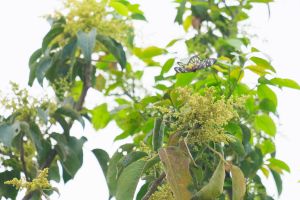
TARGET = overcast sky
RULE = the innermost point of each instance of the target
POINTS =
(22, 30)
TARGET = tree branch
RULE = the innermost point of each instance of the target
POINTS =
(154, 186)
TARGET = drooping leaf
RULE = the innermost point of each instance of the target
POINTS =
(86, 42)
(167, 65)
(70, 152)
(176, 166)
(214, 187)
(238, 183)
(129, 179)
(263, 63)
(41, 69)
(265, 123)
(114, 48)
(8, 132)
(278, 181)
(103, 159)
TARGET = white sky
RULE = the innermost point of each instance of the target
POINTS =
(22, 31)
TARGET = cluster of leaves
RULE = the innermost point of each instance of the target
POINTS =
(180, 125)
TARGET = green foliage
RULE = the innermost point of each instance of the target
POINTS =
(181, 127)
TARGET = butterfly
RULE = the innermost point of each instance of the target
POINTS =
(194, 64)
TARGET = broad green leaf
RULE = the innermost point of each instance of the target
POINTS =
(86, 42)
(267, 105)
(35, 56)
(167, 66)
(129, 179)
(238, 183)
(263, 63)
(184, 79)
(51, 35)
(70, 152)
(128, 159)
(158, 134)
(112, 170)
(119, 7)
(265, 123)
(143, 190)
(267, 146)
(100, 116)
(103, 159)
(8, 132)
(176, 167)
(278, 181)
(284, 82)
(264, 92)
(114, 48)
(214, 187)
(180, 12)
(278, 165)
(41, 69)
(8, 191)
(149, 52)
(70, 112)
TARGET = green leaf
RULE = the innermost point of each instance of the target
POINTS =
(158, 134)
(113, 47)
(259, 70)
(41, 69)
(267, 146)
(167, 66)
(53, 33)
(184, 79)
(278, 164)
(172, 42)
(149, 52)
(176, 167)
(100, 83)
(143, 190)
(128, 159)
(264, 92)
(70, 112)
(267, 105)
(35, 56)
(86, 42)
(278, 181)
(70, 152)
(285, 82)
(120, 8)
(129, 179)
(138, 16)
(100, 116)
(8, 132)
(262, 62)
(112, 170)
(180, 12)
(103, 159)
(8, 191)
(237, 146)
(265, 123)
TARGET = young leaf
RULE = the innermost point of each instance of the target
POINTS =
(167, 66)
(285, 82)
(176, 166)
(100, 116)
(238, 183)
(214, 188)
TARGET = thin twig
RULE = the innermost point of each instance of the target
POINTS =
(154, 186)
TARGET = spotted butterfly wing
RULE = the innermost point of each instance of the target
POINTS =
(194, 64)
